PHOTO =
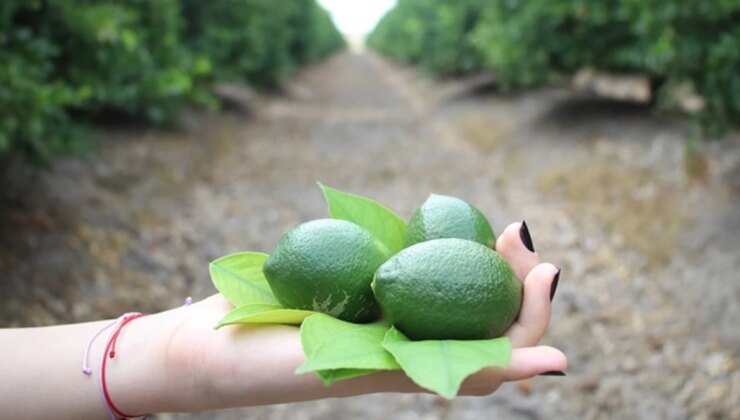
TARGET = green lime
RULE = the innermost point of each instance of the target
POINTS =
(448, 289)
(442, 216)
(327, 265)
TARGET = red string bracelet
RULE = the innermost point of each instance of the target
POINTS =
(110, 352)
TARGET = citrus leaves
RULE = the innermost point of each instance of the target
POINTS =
(264, 313)
(339, 349)
(336, 350)
(373, 216)
(239, 278)
(454, 360)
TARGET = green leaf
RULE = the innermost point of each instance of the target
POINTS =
(386, 225)
(338, 349)
(264, 313)
(239, 278)
(330, 376)
(442, 365)
(317, 329)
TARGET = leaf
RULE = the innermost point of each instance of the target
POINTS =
(338, 349)
(330, 376)
(386, 225)
(442, 365)
(239, 278)
(264, 313)
(319, 328)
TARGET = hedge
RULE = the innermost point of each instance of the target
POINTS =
(259, 41)
(65, 63)
(529, 43)
(432, 33)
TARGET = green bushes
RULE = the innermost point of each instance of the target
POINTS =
(695, 42)
(123, 56)
(433, 33)
(33, 100)
(258, 41)
(527, 43)
(64, 62)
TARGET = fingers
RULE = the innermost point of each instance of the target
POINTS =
(511, 246)
(531, 361)
(515, 245)
(534, 317)
(525, 363)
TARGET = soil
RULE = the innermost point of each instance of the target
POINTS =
(647, 236)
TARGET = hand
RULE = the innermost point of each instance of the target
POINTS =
(254, 365)
(528, 359)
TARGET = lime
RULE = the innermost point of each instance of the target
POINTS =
(448, 289)
(442, 216)
(327, 265)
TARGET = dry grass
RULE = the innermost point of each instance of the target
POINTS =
(484, 135)
(636, 210)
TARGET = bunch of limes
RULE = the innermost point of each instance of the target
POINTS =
(447, 283)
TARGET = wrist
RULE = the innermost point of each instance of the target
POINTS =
(137, 377)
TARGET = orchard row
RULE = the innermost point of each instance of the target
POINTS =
(65, 62)
(533, 42)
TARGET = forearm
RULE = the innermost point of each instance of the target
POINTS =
(41, 369)
(41, 375)
(169, 361)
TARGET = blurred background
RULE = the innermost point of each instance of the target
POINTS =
(140, 140)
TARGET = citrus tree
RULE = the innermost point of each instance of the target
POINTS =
(529, 43)
(66, 63)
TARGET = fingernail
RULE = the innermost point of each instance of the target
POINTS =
(552, 373)
(554, 284)
(524, 235)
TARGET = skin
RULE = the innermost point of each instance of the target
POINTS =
(174, 361)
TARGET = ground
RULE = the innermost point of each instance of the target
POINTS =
(648, 242)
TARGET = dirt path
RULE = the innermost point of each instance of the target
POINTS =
(648, 302)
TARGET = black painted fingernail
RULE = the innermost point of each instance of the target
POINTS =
(554, 284)
(552, 373)
(524, 235)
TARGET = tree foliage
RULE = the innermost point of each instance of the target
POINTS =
(528, 43)
(258, 41)
(433, 33)
(64, 62)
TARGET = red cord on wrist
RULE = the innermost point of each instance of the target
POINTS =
(110, 352)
